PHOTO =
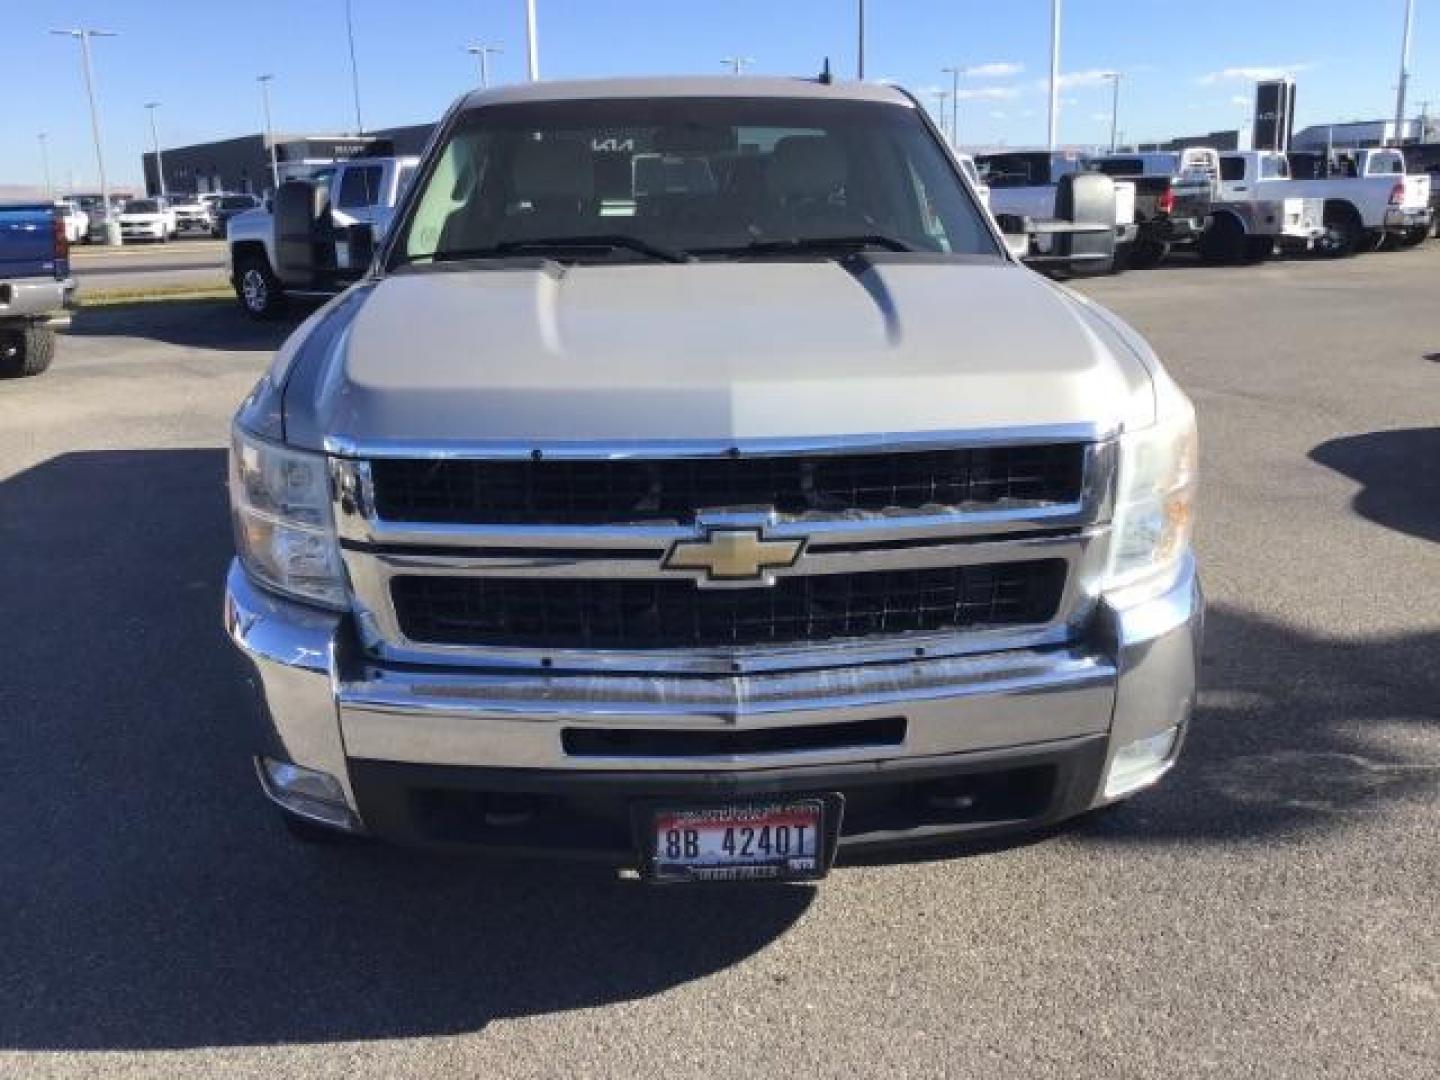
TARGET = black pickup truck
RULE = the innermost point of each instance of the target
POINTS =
(36, 288)
(1173, 194)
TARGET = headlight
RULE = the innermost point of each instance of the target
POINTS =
(1154, 503)
(280, 501)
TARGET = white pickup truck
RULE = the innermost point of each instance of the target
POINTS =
(1255, 207)
(360, 192)
(1024, 186)
(1370, 198)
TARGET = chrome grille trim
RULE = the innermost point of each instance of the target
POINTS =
(375, 551)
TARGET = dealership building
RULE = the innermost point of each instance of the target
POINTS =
(243, 164)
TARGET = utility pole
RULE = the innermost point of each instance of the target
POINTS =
(482, 52)
(354, 68)
(45, 164)
(860, 49)
(83, 35)
(264, 81)
(1114, 77)
(1404, 72)
(954, 73)
(1054, 73)
(736, 64)
(531, 42)
(150, 107)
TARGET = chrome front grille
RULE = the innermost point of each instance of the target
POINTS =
(630, 490)
(939, 550)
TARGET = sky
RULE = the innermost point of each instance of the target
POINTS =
(1187, 68)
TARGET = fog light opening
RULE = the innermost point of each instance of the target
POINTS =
(307, 793)
(1141, 763)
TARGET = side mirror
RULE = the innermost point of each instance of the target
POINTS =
(362, 246)
(297, 219)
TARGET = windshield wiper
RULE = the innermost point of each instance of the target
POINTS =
(552, 245)
(815, 244)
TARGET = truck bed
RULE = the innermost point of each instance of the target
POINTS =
(28, 247)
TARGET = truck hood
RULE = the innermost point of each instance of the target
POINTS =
(715, 351)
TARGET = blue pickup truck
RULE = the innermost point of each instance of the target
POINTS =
(36, 289)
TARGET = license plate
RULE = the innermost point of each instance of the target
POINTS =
(779, 840)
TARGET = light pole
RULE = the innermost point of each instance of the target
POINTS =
(1114, 77)
(532, 43)
(736, 64)
(151, 106)
(1404, 73)
(954, 73)
(83, 35)
(1054, 72)
(45, 164)
(354, 68)
(264, 81)
(940, 97)
(860, 45)
(482, 53)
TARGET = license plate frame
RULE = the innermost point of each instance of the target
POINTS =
(713, 816)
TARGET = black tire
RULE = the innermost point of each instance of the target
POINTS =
(1412, 237)
(26, 351)
(1222, 242)
(257, 288)
(1257, 249)
(1148, 252)
(1343, 235)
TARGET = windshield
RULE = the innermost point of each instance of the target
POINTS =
(142, 206)
(673, 177)
(237, 202)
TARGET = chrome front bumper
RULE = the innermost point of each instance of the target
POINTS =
(331, 708)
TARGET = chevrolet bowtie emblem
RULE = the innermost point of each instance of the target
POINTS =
(733, 555)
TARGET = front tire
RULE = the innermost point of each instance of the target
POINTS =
(1148, 252)
(26, 351)
(258, 289)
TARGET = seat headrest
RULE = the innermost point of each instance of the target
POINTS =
(554, 169)
(806, 167)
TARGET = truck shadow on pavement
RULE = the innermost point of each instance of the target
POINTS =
(150, 900)
(1400, 474)
(195, 324)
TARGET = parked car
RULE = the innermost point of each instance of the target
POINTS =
(192, 215)
(359, 192)
(1026, 197)
(1253, 209)
(707, 529)
(76, 222)
(1173, 193)
(36, 289)
(224, 208)
(1370, 197)
(147, 219)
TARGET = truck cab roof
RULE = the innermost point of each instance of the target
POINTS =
(707, 86)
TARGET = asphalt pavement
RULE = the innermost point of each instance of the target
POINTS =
(1270, 911)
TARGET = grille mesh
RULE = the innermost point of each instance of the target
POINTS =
(560, 492)
(582, 613)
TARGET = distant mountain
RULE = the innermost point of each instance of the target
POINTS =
(21, 192)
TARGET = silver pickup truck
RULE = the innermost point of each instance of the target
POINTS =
(695, 482)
